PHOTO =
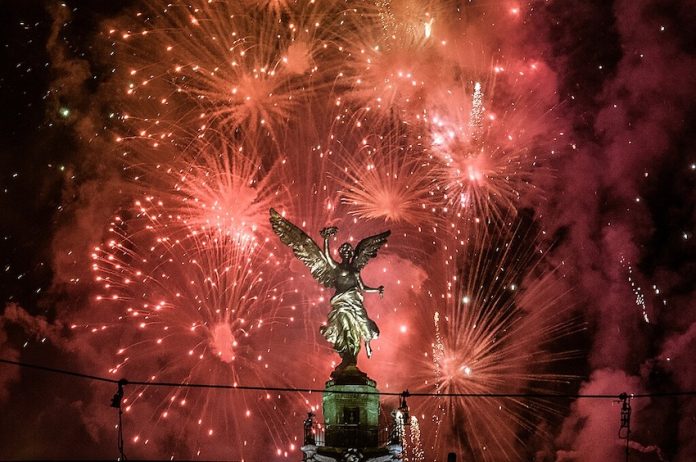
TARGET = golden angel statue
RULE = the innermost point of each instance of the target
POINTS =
(348, 323)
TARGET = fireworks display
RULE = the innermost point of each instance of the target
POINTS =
(439, 120)
(211, 95)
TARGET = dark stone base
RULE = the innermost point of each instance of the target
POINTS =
(351, 417)
(350, 375)
(367, 454)
(351, 410)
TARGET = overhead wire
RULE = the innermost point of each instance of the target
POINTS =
(154, 383)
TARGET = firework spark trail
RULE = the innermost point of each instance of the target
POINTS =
(637, 290)
(416, 444)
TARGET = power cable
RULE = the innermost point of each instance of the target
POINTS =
(320, 390)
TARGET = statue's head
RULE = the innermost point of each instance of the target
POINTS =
(346, 251)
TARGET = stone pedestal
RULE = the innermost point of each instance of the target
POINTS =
(351, 410)
(351, 422)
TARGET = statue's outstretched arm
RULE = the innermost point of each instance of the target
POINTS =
(368, 289)
(326, 233)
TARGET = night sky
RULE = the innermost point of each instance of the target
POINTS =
(608, 162)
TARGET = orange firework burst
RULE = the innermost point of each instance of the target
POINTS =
(220, 189)
(219, 65)
(393, 61)
(389, 178)
(194, 309)
(485, 170)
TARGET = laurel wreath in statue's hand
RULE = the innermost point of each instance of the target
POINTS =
(330, 231)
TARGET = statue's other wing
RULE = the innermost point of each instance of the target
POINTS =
(367, 249)
(304, 248)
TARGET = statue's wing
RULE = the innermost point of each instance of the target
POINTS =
(304, 248)
(367, 249)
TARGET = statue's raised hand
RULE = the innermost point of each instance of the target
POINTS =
(329, 231)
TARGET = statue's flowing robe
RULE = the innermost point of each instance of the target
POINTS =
(348, 322)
